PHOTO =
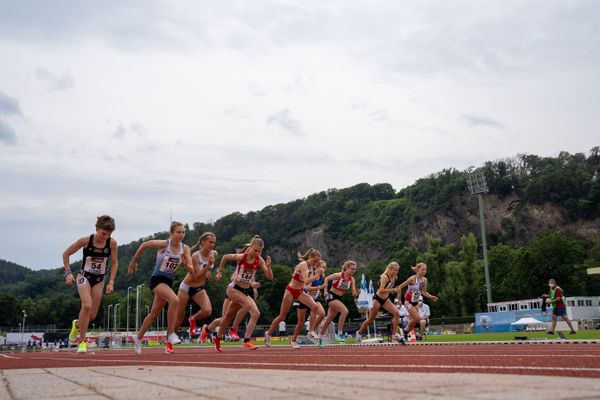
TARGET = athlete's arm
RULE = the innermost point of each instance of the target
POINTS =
(149, 244)
(265, 265)
(114, 265)
(72, 249)
(426, 293)
(327, 279)
(224, 260)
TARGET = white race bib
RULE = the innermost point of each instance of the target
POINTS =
(95, 265)
(170, 264)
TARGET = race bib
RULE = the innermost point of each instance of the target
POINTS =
(170, 264)
(245, 276)
(95, 265)
(343, 285)
(416, 297)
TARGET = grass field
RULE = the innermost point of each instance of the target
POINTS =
(471, 337)
(486, 337)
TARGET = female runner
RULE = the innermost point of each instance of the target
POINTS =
(416, 286)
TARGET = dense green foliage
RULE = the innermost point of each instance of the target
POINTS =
(377, 222)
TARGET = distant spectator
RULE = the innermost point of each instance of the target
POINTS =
(403, 314)
(424, 314)
(556, 298)
(282, 329)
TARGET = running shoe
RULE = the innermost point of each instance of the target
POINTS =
(233, 335)
(312, 336)
(358, 336)
(74, 331)
(295, 345)
(217, 343)
(340, 338)
(192, 322)
(169, 348)
(204, 333)
(321, 343)
(137, 346)
(249, 345)
(572, 333)
(267, 339)
(173, 338)
(550, 333)
(399, 338)
(82, 347)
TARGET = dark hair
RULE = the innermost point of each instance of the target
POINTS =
(105, 222)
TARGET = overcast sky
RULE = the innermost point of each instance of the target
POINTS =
(203, 108)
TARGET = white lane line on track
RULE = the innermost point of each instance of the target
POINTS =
(291, 365)
(5, 356)
(300, 354)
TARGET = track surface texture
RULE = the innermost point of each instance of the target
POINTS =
(577, 360)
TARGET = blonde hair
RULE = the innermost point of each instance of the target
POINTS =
(347, 264)
(255, 241)
(419, 265)
(201, 239)
(310, 253)
(390, 266)
(174, 225)
(105, 222)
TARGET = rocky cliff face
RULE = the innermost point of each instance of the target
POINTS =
(508, 220)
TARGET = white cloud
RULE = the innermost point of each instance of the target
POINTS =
(285, 119)
(9, 105)
(7, 134)
(62, 82)
(181, 106)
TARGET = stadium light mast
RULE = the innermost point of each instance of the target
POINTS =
(478, 185)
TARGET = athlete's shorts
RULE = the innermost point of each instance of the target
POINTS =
(85, 277)
(294, 292)
(247, 292)
(156, 280)
(559, 312)
(379, 299)
(190, 290)
(332, 296)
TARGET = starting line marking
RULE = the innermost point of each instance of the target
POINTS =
(5, 356)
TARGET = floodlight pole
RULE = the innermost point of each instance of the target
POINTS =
(478, 185)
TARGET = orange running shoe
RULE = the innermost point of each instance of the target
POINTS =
(233, 334)
(169, 348)
(192, 322)
(217, 342)
(204, 333)
(250, 345)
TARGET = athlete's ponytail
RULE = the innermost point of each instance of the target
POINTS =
(310, 253)
(418, 266)
(256, 241)
(201, 239)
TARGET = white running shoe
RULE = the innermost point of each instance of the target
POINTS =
(174, 339)
(295, 345)
(358, 336)
(267, 339)
(398, 337)
(137, 346)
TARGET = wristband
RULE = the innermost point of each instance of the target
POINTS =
(67, 273)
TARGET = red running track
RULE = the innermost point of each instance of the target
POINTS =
(581, 360)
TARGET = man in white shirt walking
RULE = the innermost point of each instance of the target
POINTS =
(424, 314)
